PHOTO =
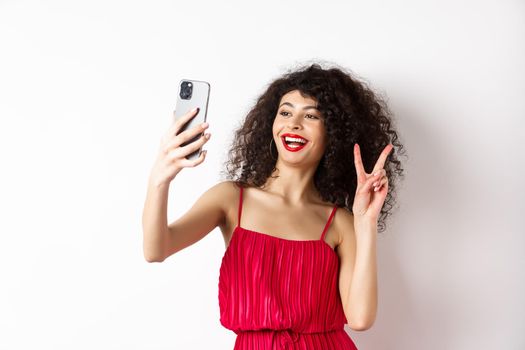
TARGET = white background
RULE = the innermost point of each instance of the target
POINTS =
(88, 88)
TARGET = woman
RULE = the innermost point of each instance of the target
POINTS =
(302, 262)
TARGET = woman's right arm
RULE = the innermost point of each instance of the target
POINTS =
(170, 161)
(208, 212)
(154, 221)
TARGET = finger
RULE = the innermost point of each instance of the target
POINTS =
(378, 175)
(195, 145)
(382, 157)
(186, 113)
(192, 147)
(187, 135)
(192, 163)
(178, 122)
(368, 184)
(375, 178)
(359, 169)
(383, 182)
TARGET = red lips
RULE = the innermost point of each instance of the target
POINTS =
(293, 149)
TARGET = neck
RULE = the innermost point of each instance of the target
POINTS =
(293, 183)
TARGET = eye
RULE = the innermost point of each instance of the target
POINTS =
(310, 116)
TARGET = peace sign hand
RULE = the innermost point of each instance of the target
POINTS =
(371, 188)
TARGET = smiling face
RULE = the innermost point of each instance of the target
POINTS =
(299, 116)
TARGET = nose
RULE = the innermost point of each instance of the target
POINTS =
(294, 123)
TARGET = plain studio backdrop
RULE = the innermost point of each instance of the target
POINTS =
(88, 88)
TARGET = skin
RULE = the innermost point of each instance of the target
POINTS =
(293, 192)
(298, 115)
(354, 235)
(296, 210)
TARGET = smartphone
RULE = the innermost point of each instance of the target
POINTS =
(192, 93)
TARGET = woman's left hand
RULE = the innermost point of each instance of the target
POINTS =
(371, 188)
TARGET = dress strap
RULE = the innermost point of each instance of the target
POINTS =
(240, 208)
(328, 222)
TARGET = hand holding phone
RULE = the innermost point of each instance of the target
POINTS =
(193, 94)
(172, 155)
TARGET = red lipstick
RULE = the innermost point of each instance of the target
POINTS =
(293, 148)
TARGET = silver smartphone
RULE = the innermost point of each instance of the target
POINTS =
(191, 94)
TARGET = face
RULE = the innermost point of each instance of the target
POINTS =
(298, 115)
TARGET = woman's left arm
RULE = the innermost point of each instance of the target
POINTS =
(371, 191)
(362, 296)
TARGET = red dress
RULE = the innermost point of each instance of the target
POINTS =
(276, 293)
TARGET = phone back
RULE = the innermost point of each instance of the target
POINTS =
(191, 94)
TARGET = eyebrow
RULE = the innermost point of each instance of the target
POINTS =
(291, 105)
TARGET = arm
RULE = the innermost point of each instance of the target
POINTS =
(154, 221)
(359, 287)
(358, 271)
(162, 240)
(363, 292)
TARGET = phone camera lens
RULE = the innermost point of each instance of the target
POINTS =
(186, 90)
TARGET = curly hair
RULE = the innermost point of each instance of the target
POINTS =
(352, 113)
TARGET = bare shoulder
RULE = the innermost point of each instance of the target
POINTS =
(225, 193)
(226, 188)
(344, 225)
(208, 212)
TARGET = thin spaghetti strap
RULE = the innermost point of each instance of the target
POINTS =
(240, 208)
(328, 222)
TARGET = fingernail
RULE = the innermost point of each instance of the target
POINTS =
(194, 109)
(205, 124)
(376, 173)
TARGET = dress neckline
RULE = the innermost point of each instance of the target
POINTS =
(280, 239)
(262, 234)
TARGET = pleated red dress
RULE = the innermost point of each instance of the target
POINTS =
(276, 293)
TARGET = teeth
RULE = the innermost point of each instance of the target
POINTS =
(294, 139)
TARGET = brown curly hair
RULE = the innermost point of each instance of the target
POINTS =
(352, 113)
